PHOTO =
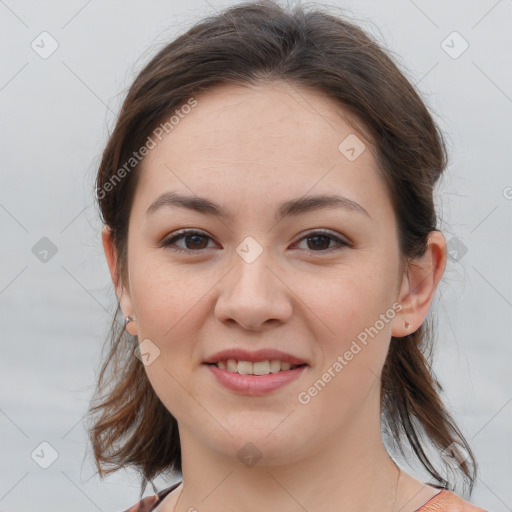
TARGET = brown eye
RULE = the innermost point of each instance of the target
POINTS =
(319, 241)
(194, 241)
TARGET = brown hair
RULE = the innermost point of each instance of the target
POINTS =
(254, 42)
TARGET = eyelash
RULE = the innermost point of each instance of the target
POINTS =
(180, 235)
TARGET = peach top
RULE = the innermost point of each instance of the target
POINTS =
(443, 501)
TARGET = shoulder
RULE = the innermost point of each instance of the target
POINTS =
(144, 505)
(150, 502)
(447, 501)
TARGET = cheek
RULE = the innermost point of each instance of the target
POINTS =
(165, 295)
(351, 299)
(169, 305)
(357, 307)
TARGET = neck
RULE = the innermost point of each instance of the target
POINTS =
(350, 471)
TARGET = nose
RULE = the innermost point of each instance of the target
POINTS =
(254, 296)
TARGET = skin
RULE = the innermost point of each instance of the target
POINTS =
(249, 148)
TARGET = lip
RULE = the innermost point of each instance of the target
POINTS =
(255, 385)
(264, 354)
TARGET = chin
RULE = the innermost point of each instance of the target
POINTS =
(263, 442)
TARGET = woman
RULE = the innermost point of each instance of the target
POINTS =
(267, 196)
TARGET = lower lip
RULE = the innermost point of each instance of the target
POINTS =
(255, 385)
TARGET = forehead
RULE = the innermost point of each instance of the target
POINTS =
(258, 144)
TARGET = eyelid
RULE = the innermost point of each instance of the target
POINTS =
(181, 234)
(323, 231)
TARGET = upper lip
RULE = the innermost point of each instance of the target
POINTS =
(263, 354)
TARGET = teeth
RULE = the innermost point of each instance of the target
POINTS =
(257, 368)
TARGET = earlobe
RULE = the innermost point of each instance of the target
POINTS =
(130, 325)
(418, 286)
(122, 293)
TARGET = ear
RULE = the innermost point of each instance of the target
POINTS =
(123, 293)
(418, 286)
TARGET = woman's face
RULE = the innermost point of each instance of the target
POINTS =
(262, 277)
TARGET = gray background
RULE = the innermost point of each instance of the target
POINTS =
(55, 116)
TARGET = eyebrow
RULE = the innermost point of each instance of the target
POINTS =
(291, 207)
